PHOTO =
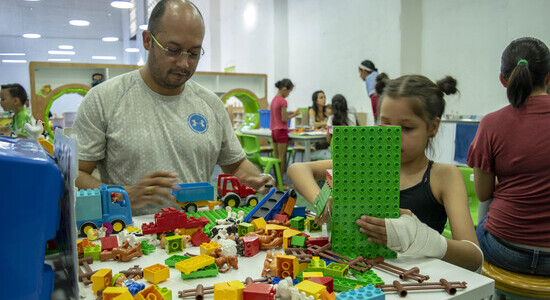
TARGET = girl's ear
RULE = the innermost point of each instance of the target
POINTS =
(432, 131)
(503, 80)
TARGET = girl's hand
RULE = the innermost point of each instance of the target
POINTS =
(376, 227)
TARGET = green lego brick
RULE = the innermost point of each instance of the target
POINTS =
(245, 228)
(174, 244)
(317, 265)
(298, 223)
(366, 175)
(345, 284)
(172, 260)
(92, 251)
(322, 199)
(146, 248)
(165, 292)
(298, 241)
(369, 277)
(336, 269)
(312, 226)
(213, 215)
(209, 271)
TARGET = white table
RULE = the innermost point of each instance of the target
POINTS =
(308, 138)
(478, 286)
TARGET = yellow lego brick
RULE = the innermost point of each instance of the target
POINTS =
(194, 263)
(259, 223)
(156, 273)
(311, 288)
(149, 293)
(276, 227)
(238, 286)
(308, 275)
(231, 290)
(117, 293)
(132, 229)
(287, 235)
(101, 279)
(207, 248)
(302, 267)
(287, 266)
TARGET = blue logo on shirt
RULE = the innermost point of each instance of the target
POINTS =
(198, 123)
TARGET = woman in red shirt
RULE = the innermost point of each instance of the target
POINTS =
(279, 120)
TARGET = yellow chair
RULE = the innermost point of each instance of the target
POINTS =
(251, 146)
(517, 286)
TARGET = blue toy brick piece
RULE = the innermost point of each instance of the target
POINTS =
(299, 211)
(190, 192)
(89, 204)
(366, 175)
(368, 292)
(251, 215)
(276, 280)
(327, 261)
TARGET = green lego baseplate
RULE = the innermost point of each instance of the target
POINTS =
(369, 277)
(213, 215)
(208, 271)
(322, 199)
(366, 174)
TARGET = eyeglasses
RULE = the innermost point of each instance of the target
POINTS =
(194, 55)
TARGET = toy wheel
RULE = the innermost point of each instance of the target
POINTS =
(252, 201)
(87, 226)
(191, 208)
(118, 225)
(232, 200)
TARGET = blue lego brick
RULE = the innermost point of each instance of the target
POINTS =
(299, 211)
(366, 175)
(368, 292)
(88, 203)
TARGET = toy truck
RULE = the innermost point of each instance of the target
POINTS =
(233, 193)
(192, 195)
(103, 205)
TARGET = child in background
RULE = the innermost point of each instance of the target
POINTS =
(279, 120)
(341, 116)
(430, 192)
(327, 110)
(512, 144)
(317, 110)
(13, 98)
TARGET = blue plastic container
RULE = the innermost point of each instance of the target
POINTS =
(265, 118)
(31, 186)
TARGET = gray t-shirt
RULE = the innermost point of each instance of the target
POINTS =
(132, 131)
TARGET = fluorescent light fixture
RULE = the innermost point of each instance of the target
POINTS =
(104, 57)
(65, 47)
(61, 52)
(249, 16)
(122, 4)
(133, 50)
(59, 59)
(12, 54)
(32, 0)
(20, 61)
(109, 39)
(143, 26)
(31, 35)
(79, 22)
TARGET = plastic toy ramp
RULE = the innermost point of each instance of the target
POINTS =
(267, 203)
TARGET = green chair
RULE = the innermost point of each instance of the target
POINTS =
(289, 153)
(251, 147)
(473, 202)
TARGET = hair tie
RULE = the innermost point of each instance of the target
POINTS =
(523, 61)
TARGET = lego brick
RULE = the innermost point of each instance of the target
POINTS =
(117, 293)
(322, 199)
(194, 263)
(369, 277)
(299, 211)
(345, 284)
(329, 178)
(89, 205)
(92, 251)
(368, 292)
(165, 292)
(156, 273)
(174, 244)
(287, 235)
(316, 264)
(172, 260)
(312, 226)
(109, 242)
(311, 288)
(146, 248)
(337, 270)
(298, 241)
(326, 281)
(101, 279)
(259, 223)
(280, 229)
(245, 228)
(280, 218)
(298, 223)
(319, 241)
(259, 291)
(231, 290)
(198, 238)
(149, 293)
(287, 266)
(207, 248)
(366, 175)
(308, 275)
(208, 271)
(251, 245)
(288, 207)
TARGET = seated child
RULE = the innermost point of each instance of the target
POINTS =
(13, 98)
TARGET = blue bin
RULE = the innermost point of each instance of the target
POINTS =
(265, 118)
(31, 186)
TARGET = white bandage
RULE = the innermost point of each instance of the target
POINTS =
(408, 236)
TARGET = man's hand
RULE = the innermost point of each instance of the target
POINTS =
(258, 182)
(159, 183)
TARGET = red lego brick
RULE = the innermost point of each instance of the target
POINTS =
(169, 219)
(326, 281)
(281, 218)
(199, 237)
(259, 291)
(109, 243)
(251, 245)
(329, 178)
(320, 241)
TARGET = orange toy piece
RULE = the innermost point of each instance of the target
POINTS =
(122, 253)
(287, 266)
(221, 260)
(267, 241)
(270, 264)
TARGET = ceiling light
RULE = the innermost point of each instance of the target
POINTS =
(14, 61)
(79, 22)
(32, 0)
(31, 35)
(13, 54)
(122, 4)
(133, 50)
(60, 52)
(65, 47)
(109, 39)
(104, 57)
(59, 59)
(143, 26)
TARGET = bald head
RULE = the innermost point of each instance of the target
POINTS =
(174, 8)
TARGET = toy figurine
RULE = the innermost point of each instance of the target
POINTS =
(222, 260)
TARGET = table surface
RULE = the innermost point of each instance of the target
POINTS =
(478, 286)
(310, 135)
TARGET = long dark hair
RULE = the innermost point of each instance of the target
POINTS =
(340, 111)
(314, 102)
(525, 63)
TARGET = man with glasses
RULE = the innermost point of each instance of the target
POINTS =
(154, 127)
